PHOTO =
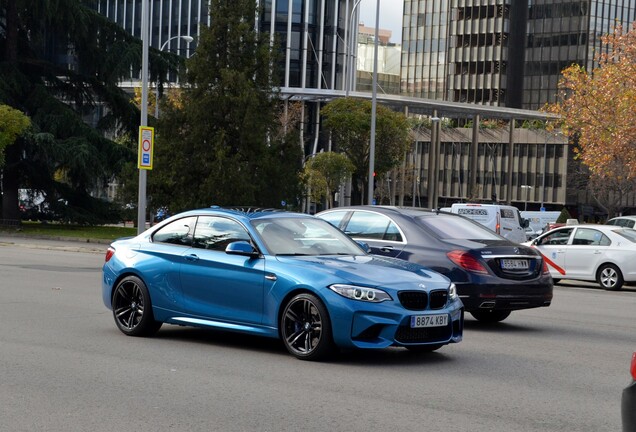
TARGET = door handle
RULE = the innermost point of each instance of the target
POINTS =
(192, 257)
(386, 249)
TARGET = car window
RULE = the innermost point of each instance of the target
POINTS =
(215, 233)
(507, 213)
(334, 217)
(453, 227)
(590, 237)
(629, 223)
(374, 226)
(178, 232)
(558, 237)
(629, 234)
(612, 222)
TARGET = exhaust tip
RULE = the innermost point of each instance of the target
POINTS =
(487, 305)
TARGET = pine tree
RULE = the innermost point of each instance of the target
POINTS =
(220, 145)
(60, 60)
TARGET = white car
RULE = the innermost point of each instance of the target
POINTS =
(602, 253)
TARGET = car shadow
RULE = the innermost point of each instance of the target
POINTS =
(500, 327)
(238, 341)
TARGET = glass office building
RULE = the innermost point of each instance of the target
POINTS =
(501, 52)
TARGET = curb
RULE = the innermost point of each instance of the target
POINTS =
(71, 244)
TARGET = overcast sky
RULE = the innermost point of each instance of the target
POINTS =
(390, 16)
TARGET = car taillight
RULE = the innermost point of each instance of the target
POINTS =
(109, 254)
(545, 268)
(466, 261)
(633, 368)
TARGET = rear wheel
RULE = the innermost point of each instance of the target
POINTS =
(306, 328)
(490, 316)
(610, 277)
(132, 309)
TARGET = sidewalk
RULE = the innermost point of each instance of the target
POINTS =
(54, 243)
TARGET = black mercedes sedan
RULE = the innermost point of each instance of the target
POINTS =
(493, 275)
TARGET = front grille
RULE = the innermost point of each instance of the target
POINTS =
(406, 334)
(413, 300)
(439, 299)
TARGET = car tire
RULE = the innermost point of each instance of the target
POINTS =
(305, 328)
(132, 309)
(424, 348)
(610, 277)
(490, 316)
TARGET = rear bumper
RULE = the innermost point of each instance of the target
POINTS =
(628, 408)
(505, 297)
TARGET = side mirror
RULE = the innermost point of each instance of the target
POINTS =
(526, 223)
(241, 248)
(364, 246)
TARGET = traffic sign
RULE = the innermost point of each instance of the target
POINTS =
(146, 147)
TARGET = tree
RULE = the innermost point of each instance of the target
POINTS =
(13, 123)
(221, 144)
(349, 121)
(598, 109)
(325, 173)
(67, 157)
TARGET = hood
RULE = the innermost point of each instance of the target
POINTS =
(370, 270)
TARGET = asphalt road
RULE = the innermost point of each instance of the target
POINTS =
(65, 367)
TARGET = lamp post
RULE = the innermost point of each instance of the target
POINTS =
(186, 38)
(374, 97)
(145, 36)
(527, 188)
(348, 66)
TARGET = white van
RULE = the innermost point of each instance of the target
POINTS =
(503, 219)
(538, 220)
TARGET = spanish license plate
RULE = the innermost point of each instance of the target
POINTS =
(514, 264)
(419, 321)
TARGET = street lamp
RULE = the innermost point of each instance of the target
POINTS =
(374, 103)
(527, 188)
(145, 37)
(349, 67)
(186, 38)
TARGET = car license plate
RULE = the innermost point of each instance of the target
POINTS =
(514, 264)
(419, 321)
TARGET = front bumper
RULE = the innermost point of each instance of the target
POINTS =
(369, 326)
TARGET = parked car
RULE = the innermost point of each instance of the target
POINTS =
(602, 253)
(276, 274)
(628, 400)
(494, 276)
(623, 221)
(503, 219)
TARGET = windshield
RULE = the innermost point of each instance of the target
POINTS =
(453, 227)
(304, 236)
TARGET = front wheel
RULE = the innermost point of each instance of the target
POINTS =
(306, 328)
(610, 277)
(490, 316)
(132, 309)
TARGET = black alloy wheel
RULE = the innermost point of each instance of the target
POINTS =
(306, 328)
(489, 315)
(132, 309)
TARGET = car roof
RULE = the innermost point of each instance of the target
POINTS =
(245, 213)
(623, 217)
(409, 211)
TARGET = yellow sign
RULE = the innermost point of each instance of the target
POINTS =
(146, 147)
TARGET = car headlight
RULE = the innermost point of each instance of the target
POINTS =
(353, 292)
(452, 291)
